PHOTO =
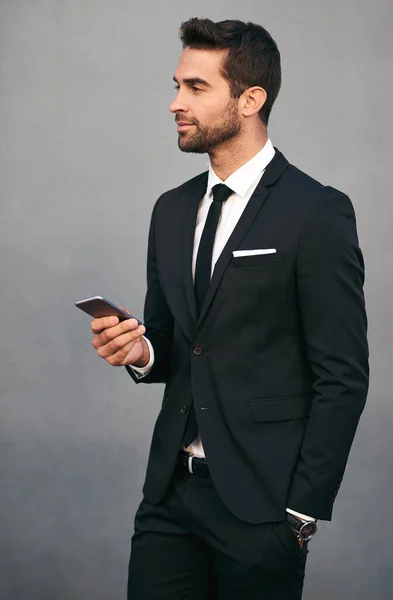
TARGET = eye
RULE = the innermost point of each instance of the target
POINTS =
(195, 89)
(177, 87)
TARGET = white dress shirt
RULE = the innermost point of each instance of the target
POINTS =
(243, 183)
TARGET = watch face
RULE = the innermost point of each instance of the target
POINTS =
(307, 531)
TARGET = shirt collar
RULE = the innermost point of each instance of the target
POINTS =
(241, 180)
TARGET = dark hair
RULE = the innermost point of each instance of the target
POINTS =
(253, 57)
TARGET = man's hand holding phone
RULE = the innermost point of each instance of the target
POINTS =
(120, 343)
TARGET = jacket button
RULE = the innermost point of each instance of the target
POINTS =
(184, 409)
(197, 350)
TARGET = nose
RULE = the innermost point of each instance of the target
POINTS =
(178, 104)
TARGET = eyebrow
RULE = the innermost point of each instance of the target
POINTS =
(193, 81)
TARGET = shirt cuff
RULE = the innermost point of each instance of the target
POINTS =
(141, 372)
(300, 515)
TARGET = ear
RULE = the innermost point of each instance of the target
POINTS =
(252, 100)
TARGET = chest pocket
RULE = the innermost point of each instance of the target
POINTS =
(256, 260)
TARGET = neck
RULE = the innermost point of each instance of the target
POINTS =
(232, 155)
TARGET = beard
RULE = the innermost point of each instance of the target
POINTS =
(205, 139)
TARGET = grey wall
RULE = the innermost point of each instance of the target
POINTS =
(86, 146)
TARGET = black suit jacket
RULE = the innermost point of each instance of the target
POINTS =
(277, 363)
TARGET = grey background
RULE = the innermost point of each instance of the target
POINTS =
(86, 146)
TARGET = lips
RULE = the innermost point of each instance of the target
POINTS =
(183, 126)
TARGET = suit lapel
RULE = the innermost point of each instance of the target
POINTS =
(272, 173)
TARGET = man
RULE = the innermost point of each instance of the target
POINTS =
(255, 321)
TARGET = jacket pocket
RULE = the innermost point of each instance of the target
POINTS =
(280, 409)
(257, 259)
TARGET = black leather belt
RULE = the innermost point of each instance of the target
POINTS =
(192, 464)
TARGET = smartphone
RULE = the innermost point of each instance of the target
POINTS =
(98, 306)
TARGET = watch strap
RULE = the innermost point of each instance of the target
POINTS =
(294, 521)
(304, 529)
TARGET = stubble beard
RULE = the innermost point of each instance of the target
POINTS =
(205, 139)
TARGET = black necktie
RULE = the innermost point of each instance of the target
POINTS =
(202, 278)
(204, 259)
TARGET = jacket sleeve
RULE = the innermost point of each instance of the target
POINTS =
(330, 277)
(158, 319)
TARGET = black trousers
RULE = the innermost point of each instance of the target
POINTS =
(190, 547)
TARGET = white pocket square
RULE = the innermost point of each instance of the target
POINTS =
(253, 252)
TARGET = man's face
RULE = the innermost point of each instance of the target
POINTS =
(206, 114)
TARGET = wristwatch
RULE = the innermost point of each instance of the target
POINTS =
(303, 529)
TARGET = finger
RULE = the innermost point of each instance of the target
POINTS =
(125, 355)
(117, 343)
(98, 325)
(104, 336)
